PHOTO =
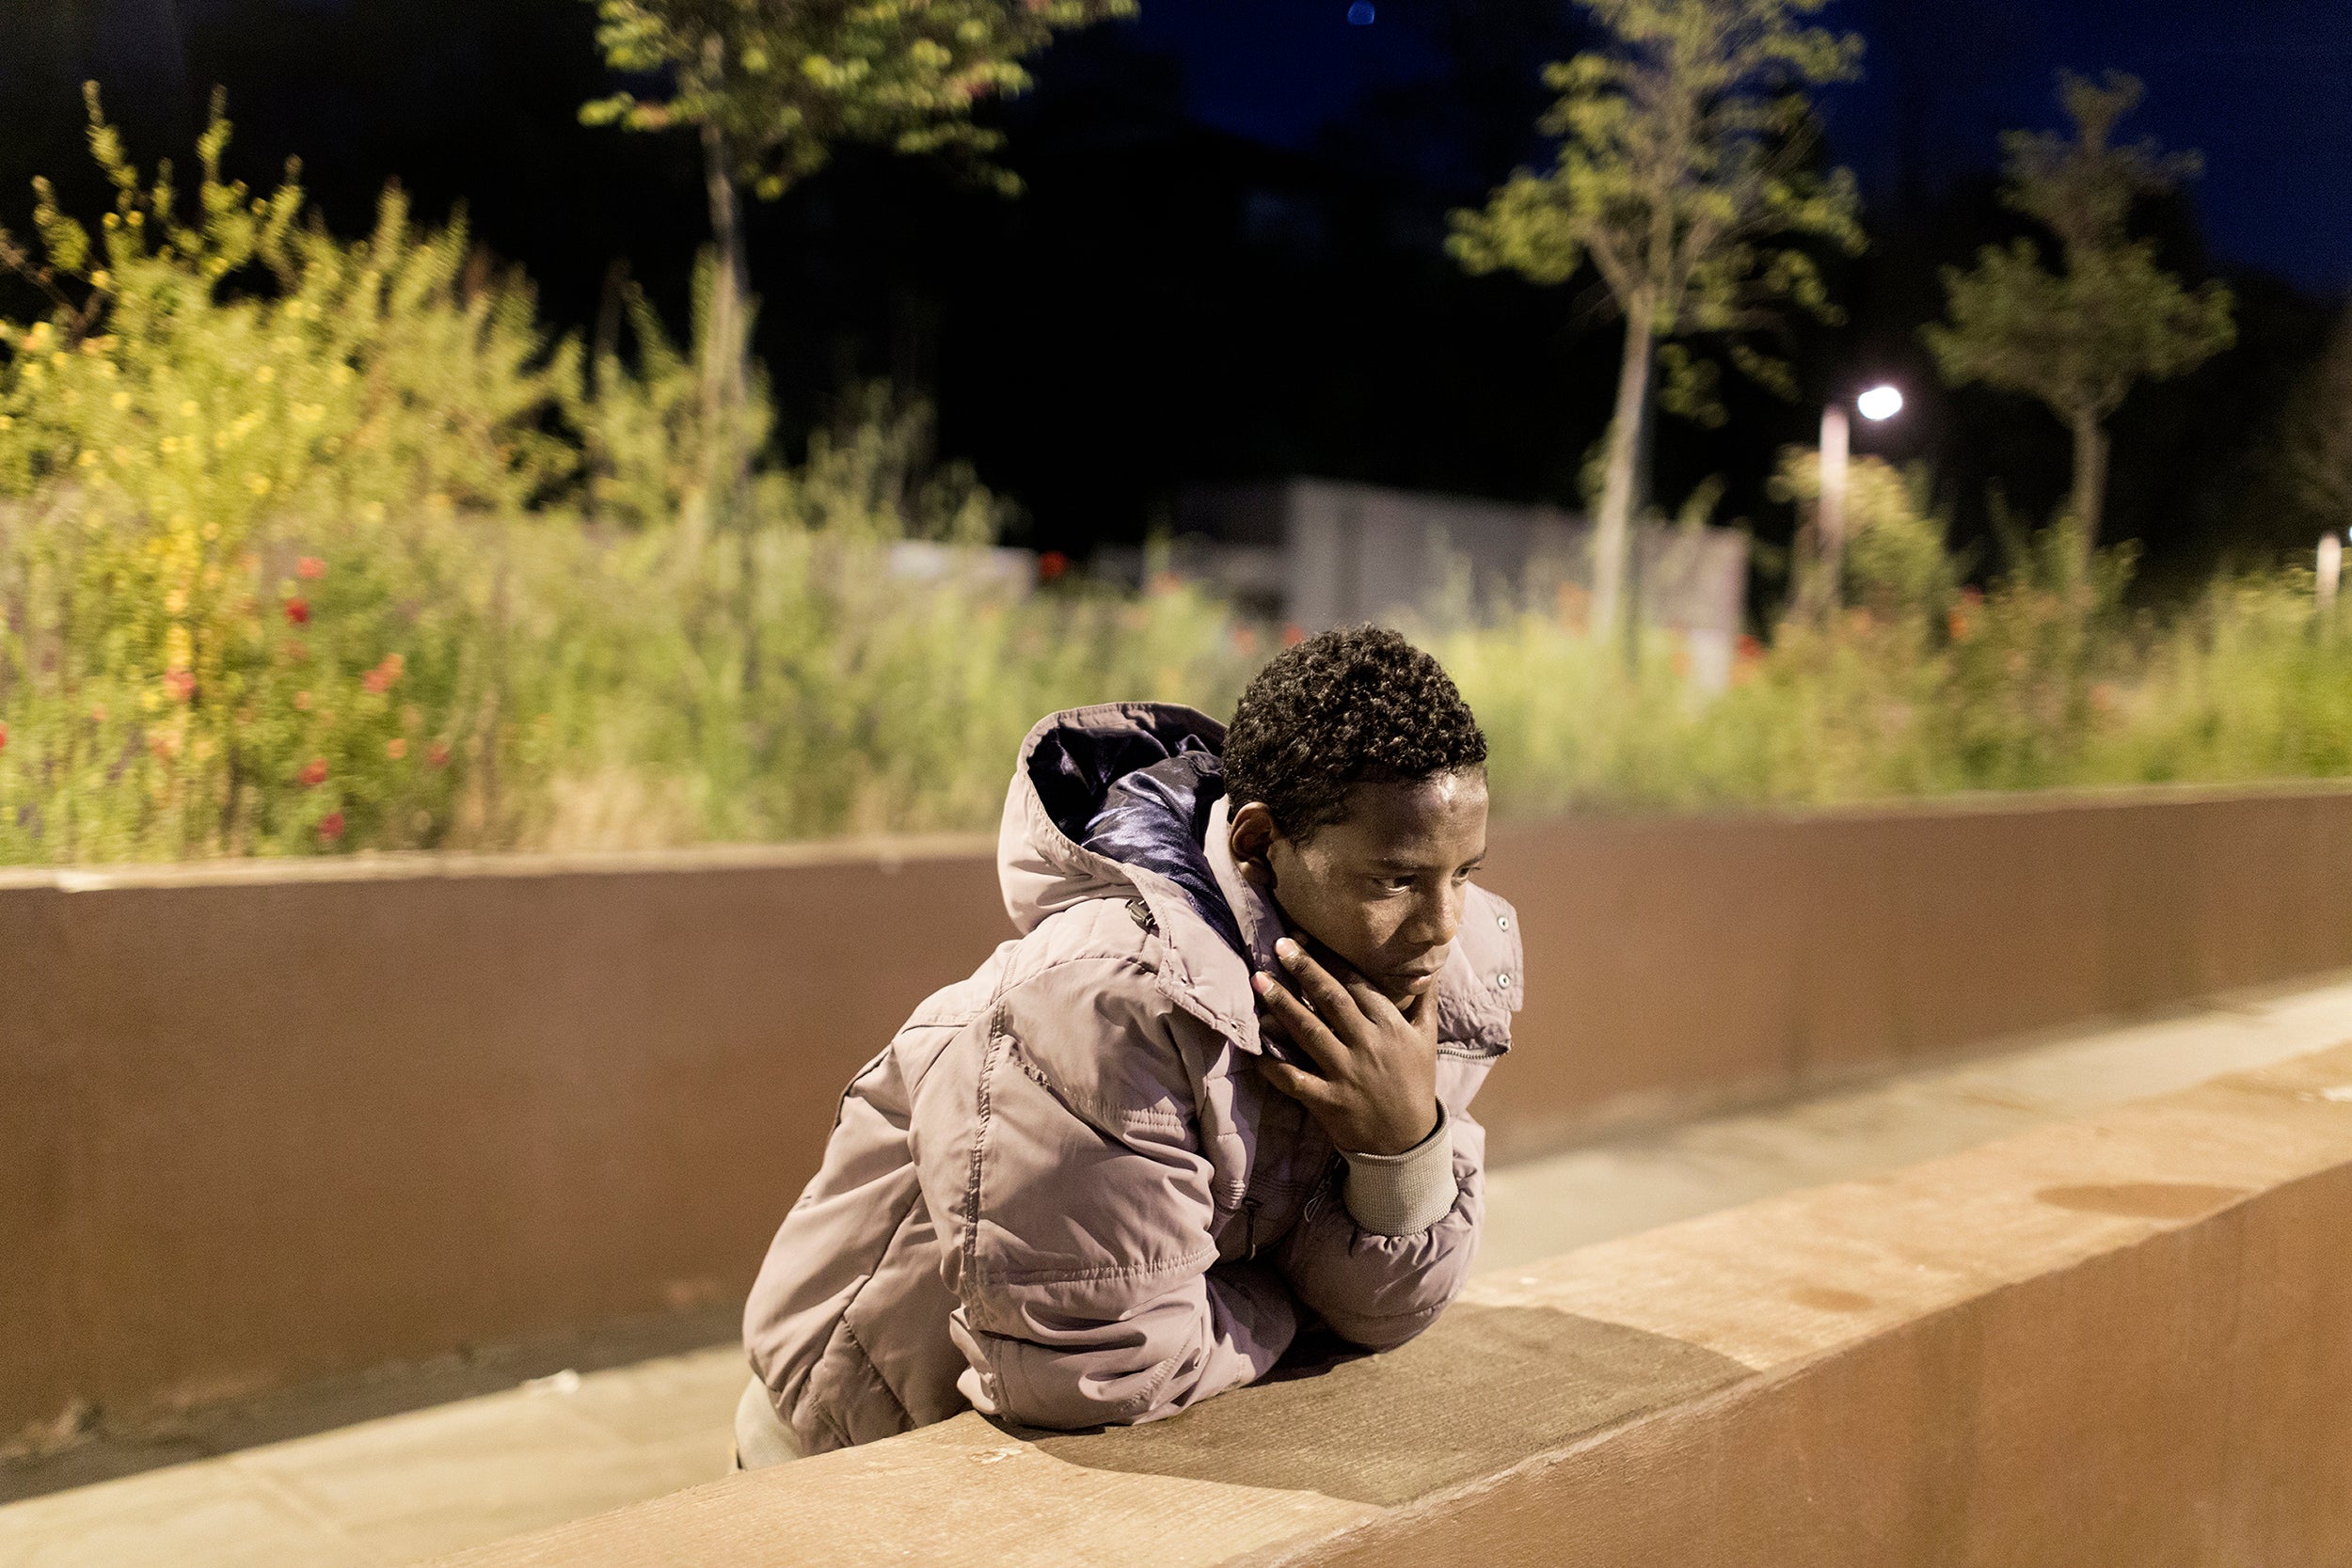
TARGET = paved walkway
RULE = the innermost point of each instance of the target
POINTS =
(391, 1490)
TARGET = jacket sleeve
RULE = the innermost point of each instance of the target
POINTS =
(1056, 1146)
(1376, 1289)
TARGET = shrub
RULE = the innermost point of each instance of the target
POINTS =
(244, 603)
(309, 546)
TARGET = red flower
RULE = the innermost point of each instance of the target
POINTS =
(181, 682)
(3, 737)
(396, 748)
(310, 568)
(438, 754)
(313, 773)
(1748, 649)
(330, 827)
(1053, 563)
(1293, 635)
(298, 611)
(379, 680)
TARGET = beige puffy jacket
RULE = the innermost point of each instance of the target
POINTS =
(1061, 1195)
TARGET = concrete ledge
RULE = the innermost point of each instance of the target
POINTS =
(2118, 1341)
(270, 1121)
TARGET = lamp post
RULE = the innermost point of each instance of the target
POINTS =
(1878, 404)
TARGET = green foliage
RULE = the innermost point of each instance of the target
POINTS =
(1895, 562)
(2313, 455)
(784, 81)
(1685, 172)
(1685, 175)
(232, 459)
(312, 546)
(2079, 339)
(2028, 686)
(288, 563)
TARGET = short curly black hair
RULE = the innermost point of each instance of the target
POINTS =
(1356, 704)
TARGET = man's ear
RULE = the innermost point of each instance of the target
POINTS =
(1251, 836)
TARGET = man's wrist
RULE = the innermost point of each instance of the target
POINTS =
(1395, 1144)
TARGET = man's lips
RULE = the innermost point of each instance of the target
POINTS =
(1418, 975)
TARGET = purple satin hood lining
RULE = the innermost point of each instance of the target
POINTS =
(1157, 818)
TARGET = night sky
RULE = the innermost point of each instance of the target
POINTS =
(2262, 88)
(1229, 262)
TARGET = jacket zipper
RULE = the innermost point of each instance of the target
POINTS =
(1249, 1208)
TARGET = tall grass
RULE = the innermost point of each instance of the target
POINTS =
(311, 545)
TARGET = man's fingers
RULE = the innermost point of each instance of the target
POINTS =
(1330, 999)
(1367, 997)
(1297, 1082)
(1421, 1013)
(1301, 1024)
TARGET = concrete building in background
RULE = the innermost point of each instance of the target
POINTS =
(1317, 553)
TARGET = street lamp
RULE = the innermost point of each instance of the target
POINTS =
(1877, 405)
(1880, 404)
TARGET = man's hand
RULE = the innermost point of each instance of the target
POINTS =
(1376, 1092)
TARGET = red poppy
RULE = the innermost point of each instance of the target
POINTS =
(310, 568)
(379, 680)
(1748, 649)
(314, 772)
(330, 827)
(3, 737)
(1053, 563)
(438, 754)
(298, 611)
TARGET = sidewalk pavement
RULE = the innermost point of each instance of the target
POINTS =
(390, 1491)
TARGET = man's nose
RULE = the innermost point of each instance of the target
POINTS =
(1436, 920)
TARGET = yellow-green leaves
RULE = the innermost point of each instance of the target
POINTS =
(787, 80)
(2079, 337)
(1687, 172)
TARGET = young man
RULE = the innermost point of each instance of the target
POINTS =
(1215, 1092)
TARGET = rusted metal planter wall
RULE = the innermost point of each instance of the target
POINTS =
(263, 1123)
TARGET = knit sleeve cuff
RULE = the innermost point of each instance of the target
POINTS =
(1403, 1195)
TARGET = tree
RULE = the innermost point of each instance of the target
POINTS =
(2312, 456)
(2079, 339)
(1686, 176)
(774, 86)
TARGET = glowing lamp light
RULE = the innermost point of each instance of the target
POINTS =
(1361, 14)
(1879, 403)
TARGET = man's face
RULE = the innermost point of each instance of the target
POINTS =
(1383, 888)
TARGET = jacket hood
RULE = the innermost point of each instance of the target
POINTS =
(1124, 800)
(1052, 854)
